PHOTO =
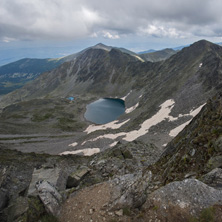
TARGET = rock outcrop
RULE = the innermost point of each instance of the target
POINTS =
(187, 198)
(50, 197)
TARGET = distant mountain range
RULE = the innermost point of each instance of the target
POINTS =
(14, 75)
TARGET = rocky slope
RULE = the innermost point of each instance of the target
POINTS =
(125, 183)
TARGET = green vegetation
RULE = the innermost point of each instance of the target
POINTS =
(206, 215)
(49, 218)
(127, 211)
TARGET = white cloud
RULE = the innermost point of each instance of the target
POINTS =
(108, 35)
(163, 31)
(71, 19)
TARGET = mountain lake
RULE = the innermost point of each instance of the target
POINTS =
(104, 110)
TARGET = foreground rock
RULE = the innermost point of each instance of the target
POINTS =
(107, 200)
(185, 199)
(50, 197)
(213, 178)
(76, 177)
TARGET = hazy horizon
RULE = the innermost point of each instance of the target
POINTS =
(41, 29)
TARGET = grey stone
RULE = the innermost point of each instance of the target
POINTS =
(75, 178)
(18, 208)
(3, 199)
(215, 162)
(213, 178)
(56, 176)
(189, 196)
(129, 190)
(49, 196)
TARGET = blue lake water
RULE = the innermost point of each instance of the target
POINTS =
(104, 110)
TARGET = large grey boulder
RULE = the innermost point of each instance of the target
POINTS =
(186, 197)
(129, 190)
(49, 196)
(55, 176)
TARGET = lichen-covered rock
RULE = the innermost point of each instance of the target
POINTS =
(213, 178)
(185, 198)
(55, 176)
(50, 197)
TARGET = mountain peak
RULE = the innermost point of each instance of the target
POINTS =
(203, 44)
(102, 46)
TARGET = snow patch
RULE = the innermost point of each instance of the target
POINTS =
(112, 125)
(86, 152)
(124, 98)
(131, 109)
(113, 144)
(139, 58)
(73, 144)
(161, 115)
(178, 129)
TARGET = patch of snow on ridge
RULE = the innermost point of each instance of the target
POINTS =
(73, 144)
(139, 58)
(161, 115)
(113, 144)
(178, 129)
(132, 108)
(86, 152)
(112, 125)
(124, 98)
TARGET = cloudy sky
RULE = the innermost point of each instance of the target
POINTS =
(133, 24)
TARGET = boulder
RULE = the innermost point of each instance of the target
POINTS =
(75, 178)
(55, 176)
(213, 178)
(182, 199)
(49, 196)
(129, 190)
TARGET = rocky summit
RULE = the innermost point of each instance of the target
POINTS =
(159, 161)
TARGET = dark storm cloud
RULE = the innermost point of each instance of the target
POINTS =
(70, 19)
